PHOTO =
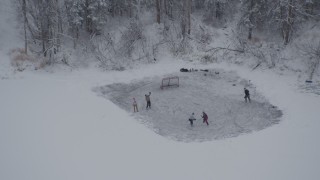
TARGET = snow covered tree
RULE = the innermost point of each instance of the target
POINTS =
(312, 51)
(75, 12)
(216, 12)
(253, 14)
(184, 14)
(292, 14)
(43, 26)
(287, 18)
(94, 14)
(168, 7)
(44, 21)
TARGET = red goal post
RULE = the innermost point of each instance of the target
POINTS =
(170, 81)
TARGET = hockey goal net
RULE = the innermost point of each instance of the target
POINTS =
(170, 81)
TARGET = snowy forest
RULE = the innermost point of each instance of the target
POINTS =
(120, 33)
(159, 89)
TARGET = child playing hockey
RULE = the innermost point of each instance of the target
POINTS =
(191, 119)
(205, 118)
(135, 105)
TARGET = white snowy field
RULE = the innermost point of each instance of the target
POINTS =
(53, 126)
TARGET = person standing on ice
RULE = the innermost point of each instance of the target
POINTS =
(191, 119)
(135, 105)
(205, 118)
(148, 100)
(247, 95)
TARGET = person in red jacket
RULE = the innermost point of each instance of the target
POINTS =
(205, 118)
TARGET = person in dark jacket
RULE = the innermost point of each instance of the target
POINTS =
(191, 119)
(247, 95)
(148, 100)
(205, 118)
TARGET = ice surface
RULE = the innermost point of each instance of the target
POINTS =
(217, 92)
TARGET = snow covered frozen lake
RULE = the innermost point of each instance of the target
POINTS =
(53, 126)
(217, 92)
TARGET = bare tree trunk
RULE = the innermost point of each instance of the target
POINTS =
(113, 9)
(287, 27)
(309, 7)
(43, 30)
(183, 19)
(186, 18)
(76, 37)
(158, 6)
(24, 9)
(60, 29)
(282, 10)
(169, 7)
(87, 20)
(130, 8)
(43, 40)
(189, 15)
(218, 10)
(165, 4)
(250, 19)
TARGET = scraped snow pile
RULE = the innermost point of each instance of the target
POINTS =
(217, 92)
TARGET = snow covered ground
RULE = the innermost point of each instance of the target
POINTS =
(53, 126)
